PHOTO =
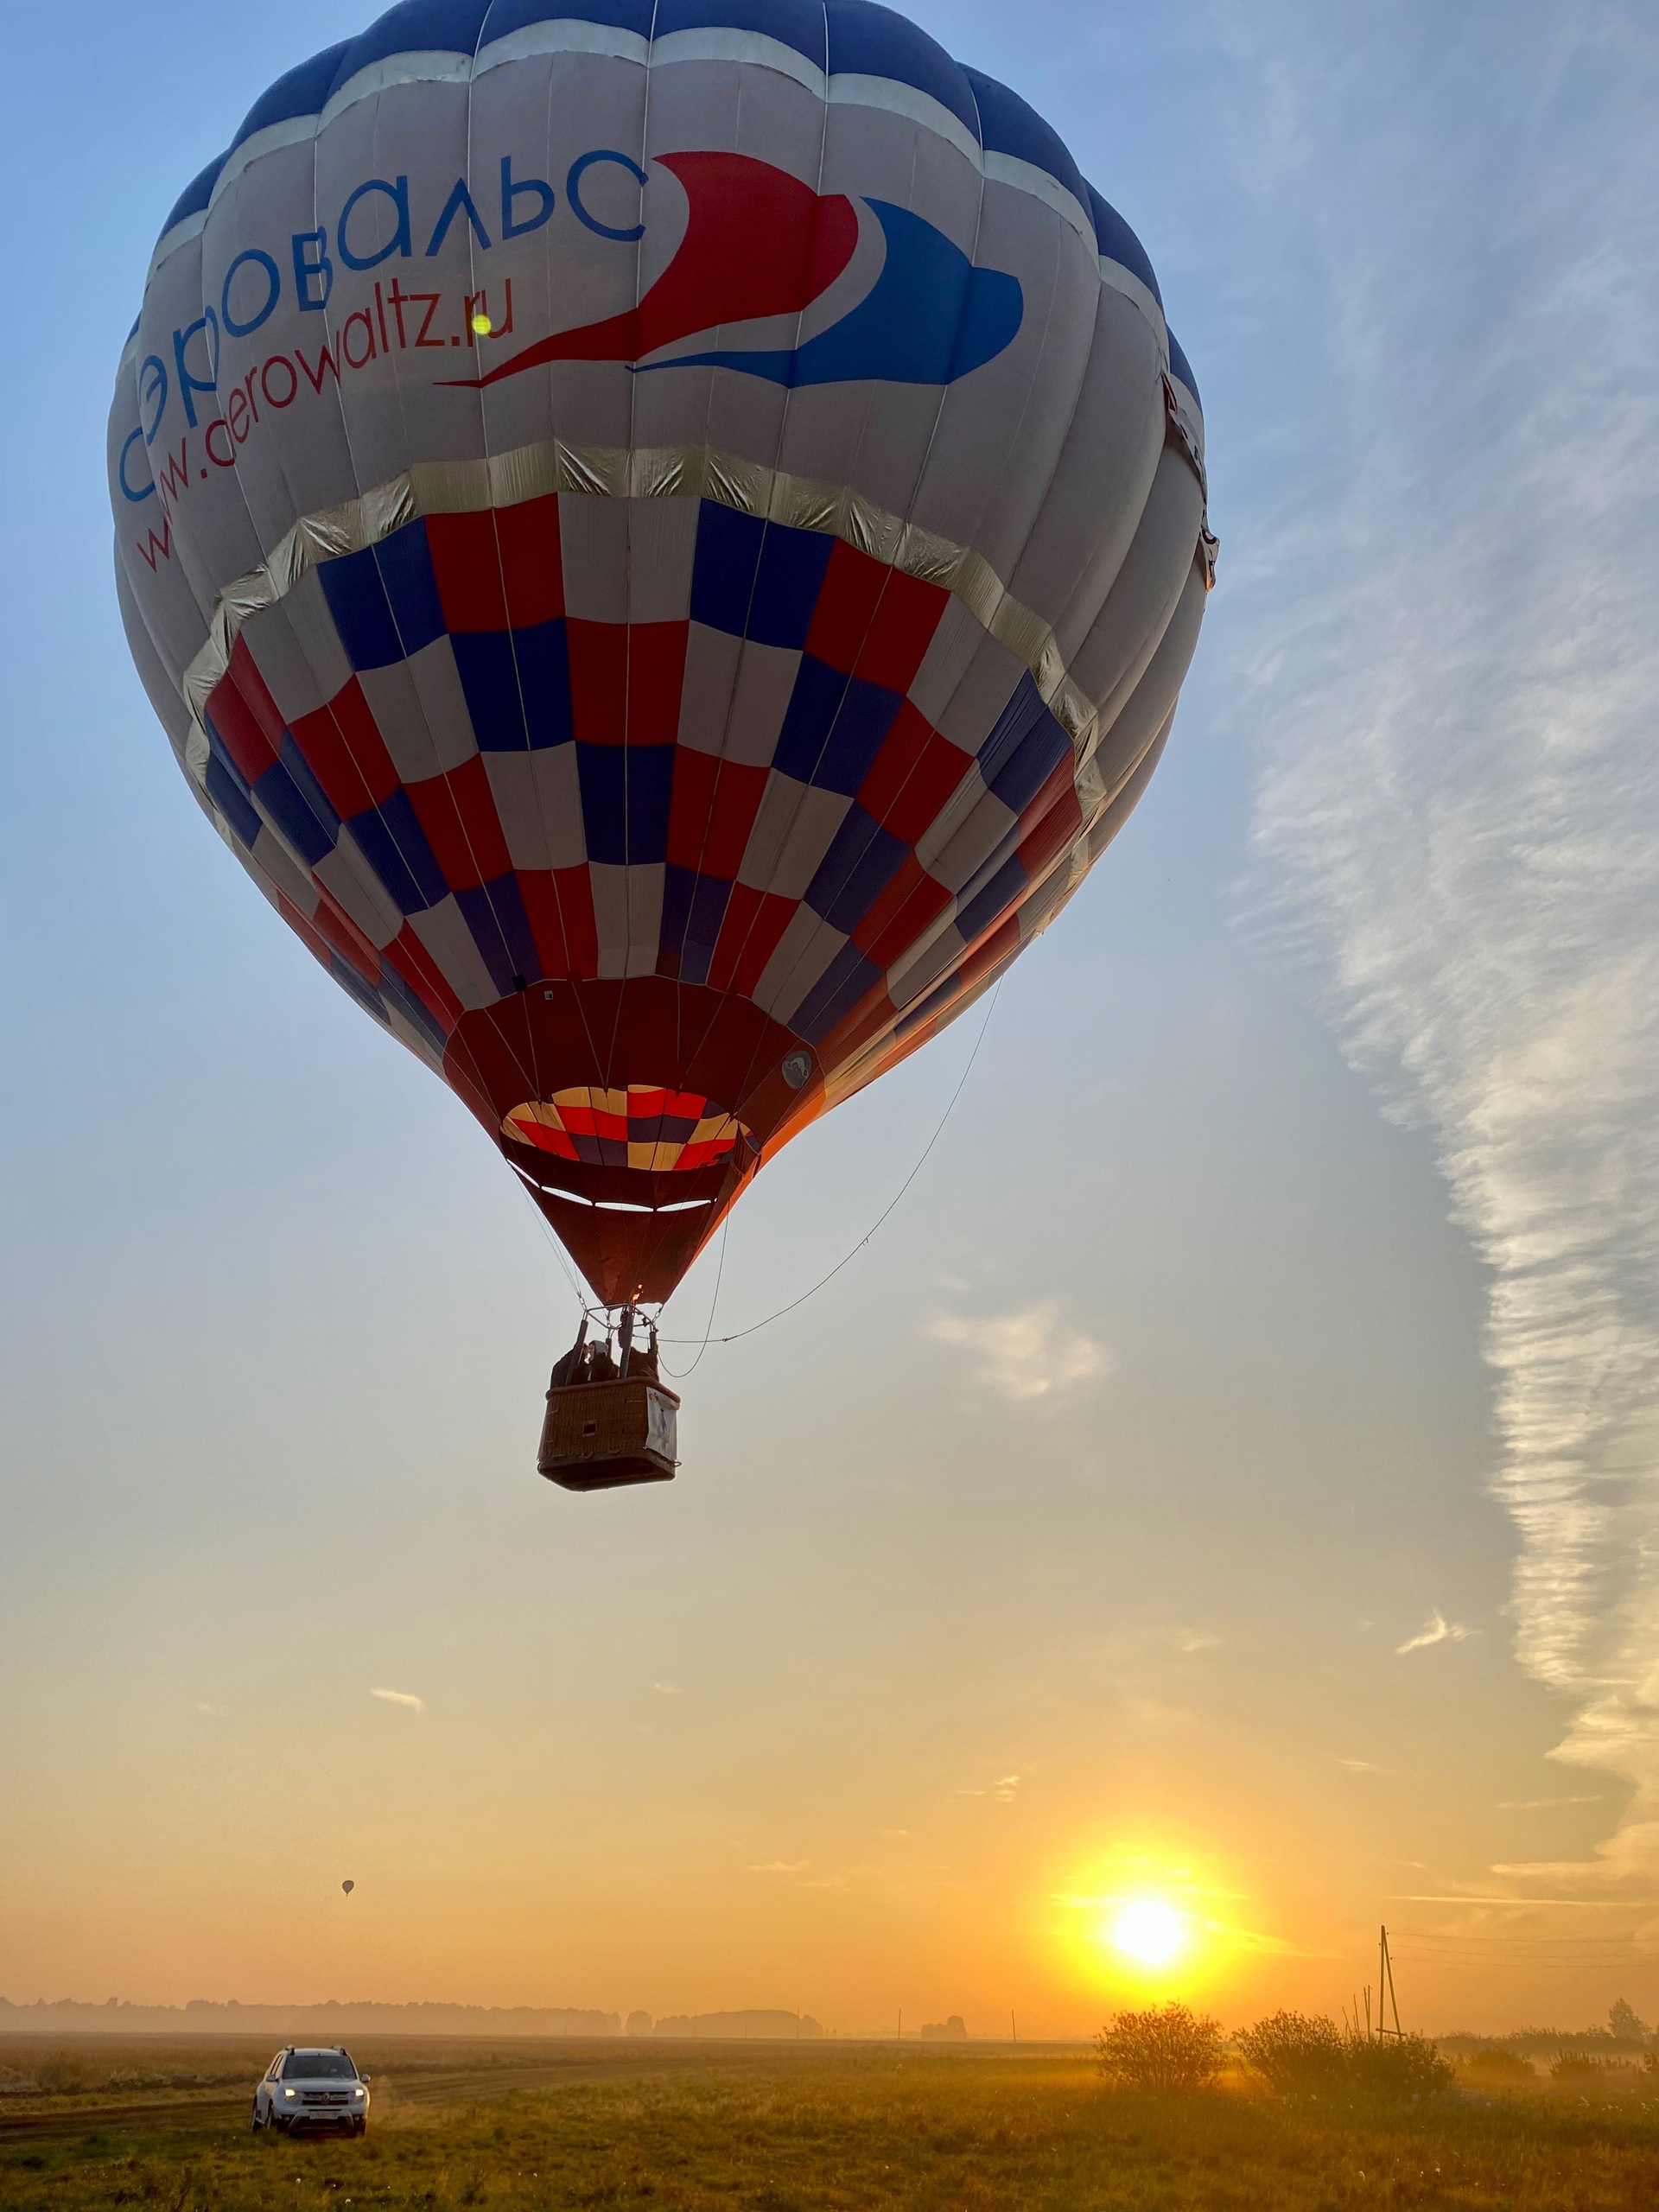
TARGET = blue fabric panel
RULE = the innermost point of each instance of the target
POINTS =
(299, 92)
(196, 194)
(786, 588)
(310, 790)
(543, 658)
(384, 599)
(1023, 713)
(1183, 368)
(836, 992)
(284, 804)
(360, 988)
(799, 24)
(694, 907)
(414, 27)
(1118, 243)
(994, 901)
(394, 844)
(862, 860)
(396, 992)
(405, 564)
(834, 727)
(494, 913)
(489, 678)
(866, 40)
(1006, 125)
(723, 574)
(1039, 752)
(512, 14)
(624, 799)
(357, 600)
(226, 791)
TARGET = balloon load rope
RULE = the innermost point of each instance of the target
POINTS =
(737, 1335)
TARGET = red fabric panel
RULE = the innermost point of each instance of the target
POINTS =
(457, 811)
(424, 977)
(599, 680)
(466, 561)
(345, 936)
(847, 600)
(531, 561)
(712, 811)
(560, 904)
(906, 619)
(302, 928)
(748, 937)
(912, 775)
(344, 751)
(900, 914)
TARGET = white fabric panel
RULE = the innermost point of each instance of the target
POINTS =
(354, 884)
(662, 543)
(594, 546)
(539, 802)
(792, 832)
(314, 631)
(401, 719)
(991, 680)
(443, 930)
(627, 916)
(289, 675)
(802, 953)
(1154, 575)
(443, 703)
(953, 859)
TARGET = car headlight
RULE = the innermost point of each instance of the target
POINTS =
(290, 2093)
(359, 2091)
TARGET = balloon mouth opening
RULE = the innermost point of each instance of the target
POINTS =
(650, 1126)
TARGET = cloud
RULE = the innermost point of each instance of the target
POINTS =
(1435, 1629)
(782, 1866)
(1189, 1640)
(668, 1689)
(1029, 1353)
(401, 1697)
(1003, 1790)
(1453, 699)
(217, 1711)
(1544, 1804)
(1360, 1766)
(893, 1835)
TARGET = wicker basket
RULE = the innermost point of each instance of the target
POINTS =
(600, 1435)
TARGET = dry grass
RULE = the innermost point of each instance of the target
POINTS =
(829, 2129)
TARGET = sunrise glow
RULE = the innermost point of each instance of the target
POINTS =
(1151, 1933)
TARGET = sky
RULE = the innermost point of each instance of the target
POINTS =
(1227, 1479)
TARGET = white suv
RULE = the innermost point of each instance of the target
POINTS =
(312, 2089)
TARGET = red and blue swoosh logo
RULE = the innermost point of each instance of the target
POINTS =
(758, 243)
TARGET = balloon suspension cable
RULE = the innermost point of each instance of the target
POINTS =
(846, 1260)
(679, 1374)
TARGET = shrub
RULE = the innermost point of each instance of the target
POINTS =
(1578, 2066)
(1297, 2053)
(1498, 2069)
(1398, 2069)
(1168, 2050)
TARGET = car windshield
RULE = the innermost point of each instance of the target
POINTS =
(319, 2066)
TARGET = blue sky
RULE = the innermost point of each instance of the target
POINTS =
(1309, 1160)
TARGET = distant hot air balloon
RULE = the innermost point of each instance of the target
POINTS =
(665, 538)
(348, 1887)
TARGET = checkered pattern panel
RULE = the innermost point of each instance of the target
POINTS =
(642, 1125)
(795, 780)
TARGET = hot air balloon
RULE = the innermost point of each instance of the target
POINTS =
(665, 535)
(348, 1887)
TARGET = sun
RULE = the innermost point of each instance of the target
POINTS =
(1150, 1932)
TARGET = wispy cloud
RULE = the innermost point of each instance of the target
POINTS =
(781, 1867)
(1544, 1804)
(1435, 1629)
(1359, 1766)
(1029, 1353)
(401, 1697)
(668, 1689)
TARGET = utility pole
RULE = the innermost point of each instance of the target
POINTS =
(1385, 1981)
(1013, 2027)
(901, 2035)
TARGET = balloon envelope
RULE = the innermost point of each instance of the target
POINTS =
(666, 540)
(348, 1887)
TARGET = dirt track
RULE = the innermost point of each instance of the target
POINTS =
(408, 2076)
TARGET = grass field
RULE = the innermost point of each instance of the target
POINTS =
(773, 2127)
